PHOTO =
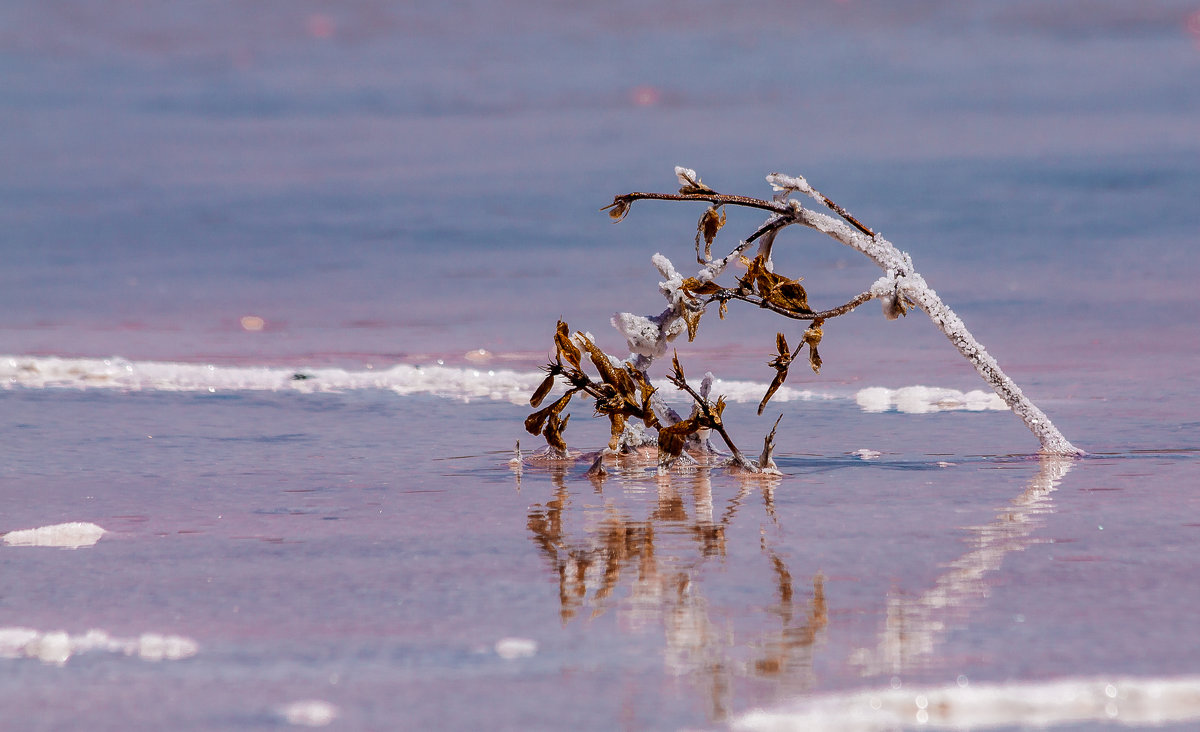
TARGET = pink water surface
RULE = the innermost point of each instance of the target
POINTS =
(377, 184)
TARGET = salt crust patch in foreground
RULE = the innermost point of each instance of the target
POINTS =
(66, 536)
(1121, 701)
(57, 647)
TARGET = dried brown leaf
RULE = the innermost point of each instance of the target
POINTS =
(692, 318)
(616, 429)
(554, 430)
(618, 209)
(649, 418)
(672, 438)
(707, 227)
(616, 377)
(600, 360)
(790, 295)
(694, 287)
(535, 421)
(780, 375)
(764, 280)
(812, 337)
(676, 369)
(566, 349)
(781, 363)
(540, 393)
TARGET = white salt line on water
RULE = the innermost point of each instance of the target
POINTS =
(66, 536)
(1120, 701)
(57, 647)
(49, 372)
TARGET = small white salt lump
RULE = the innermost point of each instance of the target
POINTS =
(512, 648)
(309, 713)
(67, 536)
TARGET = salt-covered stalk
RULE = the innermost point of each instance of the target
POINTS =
(903, 282)
(647, 336)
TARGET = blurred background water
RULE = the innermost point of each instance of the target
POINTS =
(361, 184)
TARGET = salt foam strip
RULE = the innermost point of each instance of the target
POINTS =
(1120, 701)
(57, 647)
(48, 372)
(43, 372)
(66, 536)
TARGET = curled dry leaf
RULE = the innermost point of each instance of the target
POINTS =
(812, 337)
(616, 377)
(618, 209)
(671, 439)
(710, 223)
(692, 318)
(781, 363)
(566, 349)
(780, 291)
(714, 412)
(693, 287)
(790, 295)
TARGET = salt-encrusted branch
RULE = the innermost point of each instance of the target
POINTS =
(901, 286)
(903, 281)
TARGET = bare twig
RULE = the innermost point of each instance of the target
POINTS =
(726, 295)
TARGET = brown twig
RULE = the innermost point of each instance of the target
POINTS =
(725, 295)
(713, 421)
(716, 199)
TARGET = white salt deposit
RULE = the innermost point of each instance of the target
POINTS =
(120, 374)
(33, 372)
(308, 713)
(36, 372)
(513, 648)
(963, 705)
(924, 399)
(67, 536)
(57, 647)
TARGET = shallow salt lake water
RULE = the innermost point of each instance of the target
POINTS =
(276, 281)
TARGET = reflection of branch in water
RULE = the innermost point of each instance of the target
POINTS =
(591, 565)
(913, 624)
(795, 641)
